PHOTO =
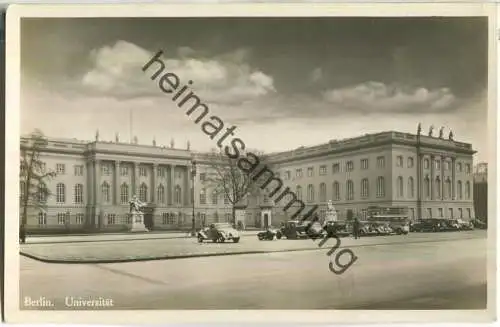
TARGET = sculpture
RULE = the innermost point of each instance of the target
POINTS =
(172, 143)
(419, 128)
(331, 213)
(117, 138)
(154, 140)
(136, 140)
(441, 131)
(136, 205)
(188, 145)
(431, 129)
(97, 135)
(450, 136)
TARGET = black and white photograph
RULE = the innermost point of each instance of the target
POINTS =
(229, 161)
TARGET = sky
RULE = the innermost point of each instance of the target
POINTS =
(283, 82)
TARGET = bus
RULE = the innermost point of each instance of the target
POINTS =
(396, 216)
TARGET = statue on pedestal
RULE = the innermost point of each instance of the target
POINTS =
(154, 140)
(450, 136)
(136, 207)
(431, 129)
(331, 213)
(97, 136)
(117, 138)
(172, 143)
(419, 129)
(441, 132)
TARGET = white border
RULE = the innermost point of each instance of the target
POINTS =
(15, 12)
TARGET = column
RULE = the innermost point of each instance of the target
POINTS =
(135, 179)
(171, 197)
(442, 177)
(187, 184)
(154, 180)
(453, 195)
(117, 183)
(97, 193)
(432, 182)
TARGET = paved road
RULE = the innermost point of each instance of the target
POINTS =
(433, 275)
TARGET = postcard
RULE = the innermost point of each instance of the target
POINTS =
(258, 163)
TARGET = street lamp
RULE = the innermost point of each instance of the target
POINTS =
(193, 175)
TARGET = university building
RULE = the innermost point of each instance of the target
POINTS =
(481, 191)
(431, 176)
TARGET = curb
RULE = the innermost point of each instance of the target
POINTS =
(218, 254)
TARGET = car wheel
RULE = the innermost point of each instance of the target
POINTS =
(260, 237)
(278, 236)
(200, 239)
(399, 231)
(236, 239)
(222, 240)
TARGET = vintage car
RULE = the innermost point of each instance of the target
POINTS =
(383, 228)
(219, 232)
(480, 223)
(294, 229)
(429, 225)
(269, 234)
(465, 224)
(336, 228)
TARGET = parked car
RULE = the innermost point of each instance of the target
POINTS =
(219, 232)
(366, 228)
(294, 229)
(336, 228)
(450, 224)
(428, 225)
(269, 234)
(479, 223)
(465, 224)
(383, 228)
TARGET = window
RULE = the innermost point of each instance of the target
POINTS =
(60, 169)
(469, 213)
(226, 199)
(203, 177)
(124, 171)
(447, 165)
(170, 219)
(80, 218)
(298, 173)
(322, 192)
(78, 170)
(322, 170)
(143, 172)
(364, 163)
(350, 190)
(287, 175)
(440, 212)
(78, 196)
(42, 218)
(310, 172)
(160, 194)
(467, 190)
(336, 168)
(399, 161)
(105, 192)
(111, 218)
(143, 192)
(336, 191)
(105, 169)
(450, 212)
(310, 193)
(411, 190)
(460, 213)
(61, 218)
(203, 196)
(459, 190)
(364, 188)
(60, 193)
(349, 166)
(400, 187)
(381, 162)
(426, 164)
(448, 188)
(459, 167)
(380, 187)
(427, 187)
(438, 164)
(215, 197)
(438, 188)
(164, 218)
(429, 212)
(298, 192)
(467, 168)
(124, 193)
(410, 162)
(42, 192)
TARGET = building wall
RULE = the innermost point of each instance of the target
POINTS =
(381, 168)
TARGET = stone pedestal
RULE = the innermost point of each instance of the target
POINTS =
(138, 223)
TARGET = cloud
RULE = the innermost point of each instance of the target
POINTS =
(117, 71)
(376, 96)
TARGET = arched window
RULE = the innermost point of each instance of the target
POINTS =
(459, 190)
(310, 193)
(299, 192)
(350, 190)
(426, 164)
(178, 195)
(336, 191)
(160, 194)
(143, 192)
(322, 192)
(364, 188)
(105, 192)
(427, 187)
(448, 188)
(411, 190)
(400, 187)
(438, 188)
(43, 192)
(78, 196)
(380, 187)
(60, 193)
(467, 190)
(215, 197)
(124, 193)
(203, 196)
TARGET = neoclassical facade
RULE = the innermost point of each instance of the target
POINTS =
(95, 180)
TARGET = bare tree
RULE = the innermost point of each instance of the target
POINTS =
(227, 178)
(33, 175)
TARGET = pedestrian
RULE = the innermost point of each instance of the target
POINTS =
(355, 228)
